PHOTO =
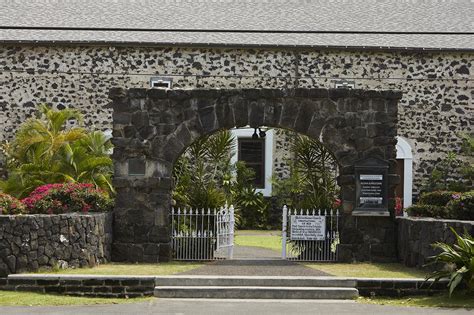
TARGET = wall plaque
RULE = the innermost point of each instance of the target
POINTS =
(136, 167)
(308, 228)
(371, 186)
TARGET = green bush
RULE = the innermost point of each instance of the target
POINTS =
(437, 198)
(461, 206)
(45, 151)
(70, 197)
(204, 177)
(10, 205)
(312, 181)
(431, 211)
(458, 262)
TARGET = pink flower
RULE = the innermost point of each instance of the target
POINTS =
(86, 208)
(398, 206)
(456, 196)
(337, 203)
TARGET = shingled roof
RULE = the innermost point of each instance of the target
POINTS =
(388, 24)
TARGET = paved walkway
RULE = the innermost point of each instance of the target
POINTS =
(246, 267)
(251, 252)
(254, 261)
(230, 307)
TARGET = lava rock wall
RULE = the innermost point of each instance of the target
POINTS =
(30, 242)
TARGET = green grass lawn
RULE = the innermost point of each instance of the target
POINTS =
(264, 239)
(368, 270)
(272, 240)
(131, 269)
(459, 300)
(10, 298)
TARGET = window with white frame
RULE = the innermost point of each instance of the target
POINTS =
(257, 153)
(252, 152)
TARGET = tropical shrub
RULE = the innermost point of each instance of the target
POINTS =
(457, 262)
(437, 197)
(251, 205)
(460, 165)
(312, 180)
(205, 178)
(461, 206)
(69, 197)
(45, 151)
(445, 205)
(431, 211)
(10, 205)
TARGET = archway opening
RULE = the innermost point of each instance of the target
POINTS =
(257, 171)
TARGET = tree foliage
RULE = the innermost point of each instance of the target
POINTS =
(45, 151)
(460, 165)
(457, 262)
(204, 177)
(312, 181)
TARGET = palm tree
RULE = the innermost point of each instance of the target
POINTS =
(45, 150)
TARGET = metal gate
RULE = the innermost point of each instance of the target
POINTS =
(202, 234)
(310, 235)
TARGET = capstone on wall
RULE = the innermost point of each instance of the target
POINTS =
(437, 86)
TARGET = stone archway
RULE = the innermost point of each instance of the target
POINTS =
(153, 127)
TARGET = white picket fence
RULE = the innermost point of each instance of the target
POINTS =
(315, 236)
(202, 234)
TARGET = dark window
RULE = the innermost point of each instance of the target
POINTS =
(252, 152)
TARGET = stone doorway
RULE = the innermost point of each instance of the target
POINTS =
(153, 127)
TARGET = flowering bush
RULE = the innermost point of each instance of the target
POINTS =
(337, 204)
(438, 197)
(10, 205)
(70, 197)
(461, 206)
(430, 211)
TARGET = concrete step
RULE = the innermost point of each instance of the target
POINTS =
(254, 292)
(254, 281)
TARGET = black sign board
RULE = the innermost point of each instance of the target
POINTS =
(371, 186)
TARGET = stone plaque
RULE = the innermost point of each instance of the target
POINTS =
(371, 186)
(136, 167)
(308, 228)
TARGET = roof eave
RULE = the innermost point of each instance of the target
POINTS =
(221, 45)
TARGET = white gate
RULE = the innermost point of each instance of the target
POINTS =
(202, 234)
(310, 235)
(225, 232)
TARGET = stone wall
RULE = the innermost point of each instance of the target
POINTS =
(29, 242)
(367, 238)
(153, 127)
(437, 86)
(415, 236)
(81, 285)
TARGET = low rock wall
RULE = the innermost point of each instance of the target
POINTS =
(139, 286)
(29, 242)
(415, 236)
(81, 285)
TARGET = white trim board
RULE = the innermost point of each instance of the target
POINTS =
(404, 152)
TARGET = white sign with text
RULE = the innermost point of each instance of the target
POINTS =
(308, 228)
